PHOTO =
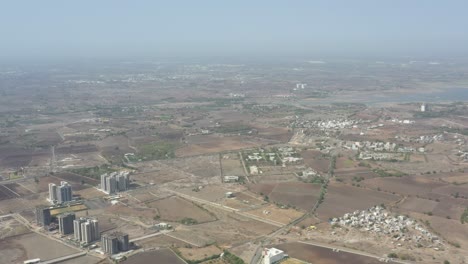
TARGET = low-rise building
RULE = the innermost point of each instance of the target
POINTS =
(272, 255)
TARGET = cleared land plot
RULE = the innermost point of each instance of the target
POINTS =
(195, 254)
(202, 166)
(11, 227)
(211, 193)
(341, 199)
(157, 175)
(175, 209)
(320, 255)
(161, 241)
(232, 228)
(232, 166)
(28, 246)
(163, 256)
(204, 144)
(297, 194)
(274, 213)
(241, 200)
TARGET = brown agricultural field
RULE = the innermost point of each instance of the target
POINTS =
(320, 255)
(298, 194)
(411, 185)
(315, 160)
(341, 199)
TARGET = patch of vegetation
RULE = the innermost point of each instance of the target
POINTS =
(464, 216)
(157, 150)
(188, 221)
(392, 255)
(230, 258)
(384, 173)
(317, 180)
(233, 129)
(93, 172)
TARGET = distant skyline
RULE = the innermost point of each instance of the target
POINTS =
(117, 28)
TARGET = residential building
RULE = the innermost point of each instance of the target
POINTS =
(65, 222)
(114, 243)
(64, 192)
(115, 182)
(231, 178)
(52, 192)
(43, 216)
(86, 230)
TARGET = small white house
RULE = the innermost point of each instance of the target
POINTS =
(231, 178)
(272, 255)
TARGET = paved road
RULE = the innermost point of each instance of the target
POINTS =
(58, 260)
(151, 235)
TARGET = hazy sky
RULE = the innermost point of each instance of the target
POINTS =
(202, 27)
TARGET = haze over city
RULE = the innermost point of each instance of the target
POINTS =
(234, 132)
(217, 28)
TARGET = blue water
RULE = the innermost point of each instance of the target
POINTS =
(447, 95)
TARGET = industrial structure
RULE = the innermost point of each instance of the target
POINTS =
(60, 194)
(114, 243)
(86, 230)
(115, 182)
(43, 216)
(65, 223)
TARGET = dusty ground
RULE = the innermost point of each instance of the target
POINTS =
(165, 209)
(163, 256)
(28, 246)
(199, 253)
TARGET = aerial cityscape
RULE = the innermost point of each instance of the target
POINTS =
(234, 159)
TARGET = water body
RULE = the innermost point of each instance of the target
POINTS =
(447, 95)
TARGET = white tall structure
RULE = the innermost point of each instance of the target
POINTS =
(86, 230)
(423, 108)
(60, 194)
(115, 182)
(272, 255)
(64, 192)
(52, 192)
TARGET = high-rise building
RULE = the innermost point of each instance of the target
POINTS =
(111, 185)
(109, 244)
(114, 243)
(115, 182)
(86, 230)
(52, 192)
(64, 192)
(77, 228)
(43, 216)
(65, 222)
